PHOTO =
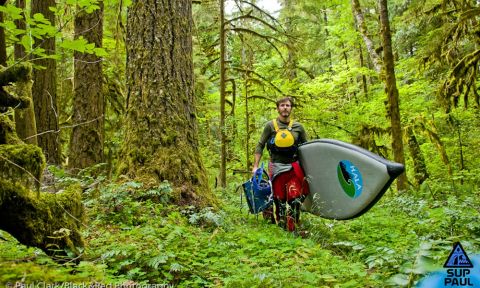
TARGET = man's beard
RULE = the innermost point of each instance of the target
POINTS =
(285, 112)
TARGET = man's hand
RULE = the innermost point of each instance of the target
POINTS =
(255, 162)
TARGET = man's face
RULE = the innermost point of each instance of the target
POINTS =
(284, 109)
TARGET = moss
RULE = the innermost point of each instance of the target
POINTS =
(7, 131)
(29, 161)
(20, 72)
(51, 223)
(179, 165)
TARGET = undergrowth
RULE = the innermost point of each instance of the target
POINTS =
(134, 235)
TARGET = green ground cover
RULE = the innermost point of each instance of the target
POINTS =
(135, 236)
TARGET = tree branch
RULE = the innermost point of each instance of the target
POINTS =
(259, 76)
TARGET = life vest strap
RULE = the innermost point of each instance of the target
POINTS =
(275, 124)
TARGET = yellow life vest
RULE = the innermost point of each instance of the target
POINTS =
(283, 137)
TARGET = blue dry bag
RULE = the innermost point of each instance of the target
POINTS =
(258, 191)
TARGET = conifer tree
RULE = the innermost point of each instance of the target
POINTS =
(161, 127)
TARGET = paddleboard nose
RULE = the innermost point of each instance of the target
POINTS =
(395, 169)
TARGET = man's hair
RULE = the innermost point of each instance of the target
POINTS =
(285, 99)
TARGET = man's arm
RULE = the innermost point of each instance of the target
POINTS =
(267, 130)
(302, 135)
(258, 156)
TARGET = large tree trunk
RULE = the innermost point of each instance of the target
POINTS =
(161, 129)
(392, 91)
(86, 145)
(44, 90)
(24, 119)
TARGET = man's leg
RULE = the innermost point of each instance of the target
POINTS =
(295, 198)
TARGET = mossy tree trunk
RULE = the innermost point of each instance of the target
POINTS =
(3, 45)
(25, 118)
(44, 90)
(48, 221)
(392, 91)
(292, 62)
(362, 28)
(161, 130)
(419, 166)
(86, 142)
(223, 77)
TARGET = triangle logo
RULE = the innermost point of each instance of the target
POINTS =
(458, 258)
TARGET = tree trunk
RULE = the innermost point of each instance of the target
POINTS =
(291, 65)
(3, 44)
(327, 36)
(364, 78)
(24, 119)
(48, 221)
(392, 91)
(86, 144)
(161, 129)
(223, 136)
(362, 27)
(419, 166)
(44, 90)
(247, 126)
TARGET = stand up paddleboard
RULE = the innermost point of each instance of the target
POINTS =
(345, 180)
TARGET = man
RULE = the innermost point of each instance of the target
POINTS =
(282, 137)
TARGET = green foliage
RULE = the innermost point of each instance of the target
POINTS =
(128, 204)
(81, 45)
(135, 235)
(40, 28)
(404, 237)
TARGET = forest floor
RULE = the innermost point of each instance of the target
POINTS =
(134, 236)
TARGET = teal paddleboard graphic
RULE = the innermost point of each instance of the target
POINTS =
(350, 178)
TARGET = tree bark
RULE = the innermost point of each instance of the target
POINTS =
(25, 123)
(44, 90)
(362, 27)
(3, 45)
(86, 144)
(291, 65)
(364, 78)
(392, 91)
(327, 35)
(223, 136)
(419, 166)
(48, 221)
(161, 141)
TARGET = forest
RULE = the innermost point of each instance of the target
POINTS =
(127, 128)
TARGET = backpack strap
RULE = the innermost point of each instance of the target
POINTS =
(275, 124)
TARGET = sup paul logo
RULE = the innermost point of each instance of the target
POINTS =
(459, 271)
(458, 268)
(350, 178)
